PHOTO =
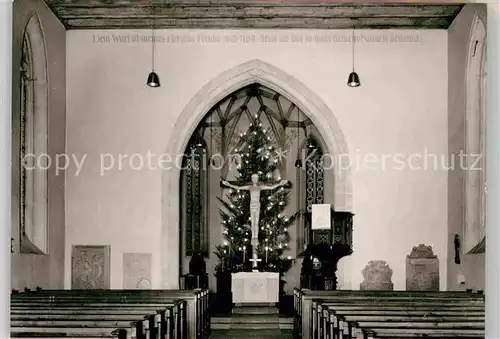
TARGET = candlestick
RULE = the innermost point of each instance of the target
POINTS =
(244, 248)
(266, 253)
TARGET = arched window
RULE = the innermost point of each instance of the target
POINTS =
(33, 197)
(474, 218)
(313, 192)
(194, 193)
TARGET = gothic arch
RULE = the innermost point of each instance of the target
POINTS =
(474, 212)
(33, 204)
(254, 71)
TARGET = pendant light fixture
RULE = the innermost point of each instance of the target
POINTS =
(310, 143)
(353, 80)
(153, 78)
(298, 162)
(212, 160)
(199, 141)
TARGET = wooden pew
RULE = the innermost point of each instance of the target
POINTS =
(113, 302)
(320, 321)
(397, 302)
(173, 317)
(338, 324)
(197, 308)
(168, 319)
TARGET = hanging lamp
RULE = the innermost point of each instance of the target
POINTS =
(153, 78)
(298, 162)
(199, 142)
(353, 80)
(212, 160)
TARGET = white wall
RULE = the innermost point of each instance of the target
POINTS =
(401, 107)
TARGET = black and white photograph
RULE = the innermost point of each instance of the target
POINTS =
(194, 169)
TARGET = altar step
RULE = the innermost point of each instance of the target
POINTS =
(252, 321)
(253, 317)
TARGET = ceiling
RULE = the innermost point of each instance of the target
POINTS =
(115, 14)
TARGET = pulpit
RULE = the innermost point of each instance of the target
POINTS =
(255, 287)
(325, 247)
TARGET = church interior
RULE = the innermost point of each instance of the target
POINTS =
(126, 119)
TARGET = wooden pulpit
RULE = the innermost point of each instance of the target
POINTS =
(325, 247)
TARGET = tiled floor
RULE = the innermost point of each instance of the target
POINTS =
(261, 334)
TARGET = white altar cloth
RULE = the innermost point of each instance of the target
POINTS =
(255, 287)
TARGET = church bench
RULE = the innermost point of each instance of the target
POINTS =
(381, 301)
(167, 320)
(102, 300)
(166, 317)
(108, 296)
(419, 333)
(329, 322)
(305, 295)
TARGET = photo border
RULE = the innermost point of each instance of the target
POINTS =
(6, 21)
(492, 255)
(492, 269)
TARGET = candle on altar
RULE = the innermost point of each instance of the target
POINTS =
(267, 248)
(244, 248)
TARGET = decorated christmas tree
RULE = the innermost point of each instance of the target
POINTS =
(256, 156)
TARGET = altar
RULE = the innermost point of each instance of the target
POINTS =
(255, 287)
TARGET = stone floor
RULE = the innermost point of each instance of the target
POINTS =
(261, 334)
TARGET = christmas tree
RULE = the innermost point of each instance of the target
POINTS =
(255, 157)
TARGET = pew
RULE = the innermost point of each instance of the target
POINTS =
(181, 314)
(382, 314)
(85, 322)
(328, 323)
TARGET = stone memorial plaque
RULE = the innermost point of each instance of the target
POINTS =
(90, 267)
(422, 269)
(377, 277)
(137, 270)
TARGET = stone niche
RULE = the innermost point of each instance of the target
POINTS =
(422, 269)
(377, 277)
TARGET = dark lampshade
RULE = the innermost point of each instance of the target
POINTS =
(153, 80)
(298, 163)
(353, 80)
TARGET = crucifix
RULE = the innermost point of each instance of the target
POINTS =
(254, 260)
(255, 190)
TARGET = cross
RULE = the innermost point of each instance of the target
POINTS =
(254, 261)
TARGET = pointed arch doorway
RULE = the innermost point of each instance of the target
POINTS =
(252, 72)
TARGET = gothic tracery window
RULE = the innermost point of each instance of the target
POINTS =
(33, 142)
(313, 183)
(194, 187)
(314, 175)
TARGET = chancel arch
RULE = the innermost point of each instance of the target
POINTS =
(222, 129)
(33, 137)
(252, 72)
(475, 136)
